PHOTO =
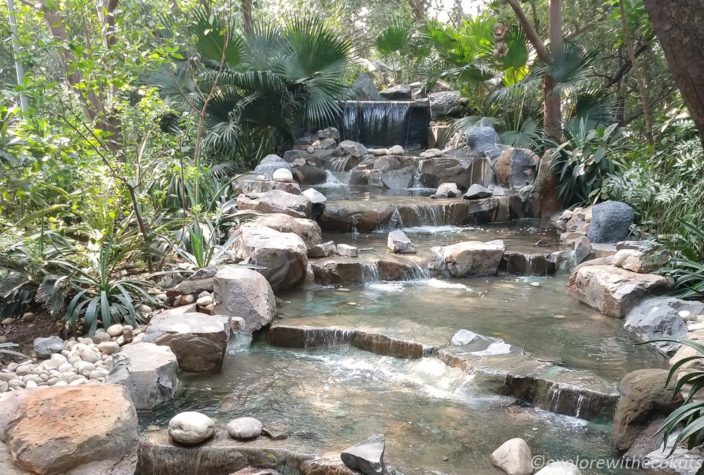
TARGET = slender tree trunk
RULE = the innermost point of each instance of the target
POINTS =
(418, 7)
(678, 26)
(637, 74)
(19, 67)
(552, 113)
(247, 21)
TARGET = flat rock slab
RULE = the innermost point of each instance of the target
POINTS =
(198, 340)
(469, 258)
(150, 374)
(86, 429)
(276, 201)
(612, 290)
(336, 270)
(577, 393)
(307, 229)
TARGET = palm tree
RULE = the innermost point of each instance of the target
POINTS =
(266, 82)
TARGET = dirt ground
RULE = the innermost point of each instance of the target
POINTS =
(24, 333)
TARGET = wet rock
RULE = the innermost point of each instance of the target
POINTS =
(476, 192)
(400, 92)
(642, 261)
(244, 293)
(515, 168)
(90, 429)
(399, 243)
(321, 250)
(398, 179)
(559, 468)
(447, 190)
(276, 201)
(521, 263)
(513, 457)
(314, 196)
(246, 185)
(307, 174)
(307, 229)
(350, 147)
(367, 456)
(465, 337)
(283, 257)
(582, 249)
(643, 398)
(348, 270)
(275, 432)
(610, 222)
(283, 175)
(149, 372)
(469, 258)
(198, 340)
(244, 428)
(269, 165)
(346, 250)
(445, 103)
(670, 458)
(483, 140)
(612, 290)
(659, 317)
(191, 428)
(256, 471)
(45, 347)
(432, 172)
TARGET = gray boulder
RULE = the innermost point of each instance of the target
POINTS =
(611, 222)
(447, 190)
(269, 165)
(445, 103)
(483, 140)
(244, 293)
(244, 428)
(45, 347)
(276, 201)
(367, 457)
(398, 179)
(659, 317)
(364, 89)
(476, 191)
(400, 92)
(399, 243)
(350, 147)
(150, 373)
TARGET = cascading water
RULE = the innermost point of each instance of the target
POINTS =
(384, 123)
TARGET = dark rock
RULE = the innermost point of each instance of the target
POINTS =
(446, 103)
(515, 168)
(659, 318)
(483, 140)
(367, 457)
(364, 89)
(398, 179)
(275, 432)
(400, 92)
(611, 222)
(308, 174)
(476, 192)
(45, 347)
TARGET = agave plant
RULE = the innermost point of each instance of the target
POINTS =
(6, 349)
(101, 296)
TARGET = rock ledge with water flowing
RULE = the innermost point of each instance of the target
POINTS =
(467, 258)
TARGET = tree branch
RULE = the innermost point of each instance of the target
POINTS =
(532, 35)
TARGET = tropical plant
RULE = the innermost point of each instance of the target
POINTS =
(100, 295)
(687, 269)
(264, 84)
(585, 160)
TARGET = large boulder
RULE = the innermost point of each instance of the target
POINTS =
(445, 103)
(47, 346)
(513, 457)
(307, 174)
(399, 243)
(643, 397)
(307, 229)
(364, 89)
(150, 373)
(469, 258)
(198, 340)
(350, 147)
(244, 293)
(515, 167)
(659, 317)
(398, 179)
(611, 222)
(89, 429)
(483, 140)
(283, 257)
(249, 184)
(435, 171)
(367, 456)
(269, 165)
(276, 201)
(612, 290)
(400, 92)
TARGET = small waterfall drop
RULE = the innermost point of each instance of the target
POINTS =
(376, 123)
(331, 179)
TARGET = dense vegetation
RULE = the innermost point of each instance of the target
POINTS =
(118, 142)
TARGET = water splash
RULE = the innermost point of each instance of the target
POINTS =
(332, 180)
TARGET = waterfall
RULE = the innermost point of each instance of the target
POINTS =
(376, 123)
(339, 164)
(332, 180)
(370, 272)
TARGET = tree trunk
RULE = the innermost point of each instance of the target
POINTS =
(418, 7)
(19, 67)
(642, 90)
(678, 26)
(247, 22)
(552, 113)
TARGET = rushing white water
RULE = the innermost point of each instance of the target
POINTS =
(332, 180)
